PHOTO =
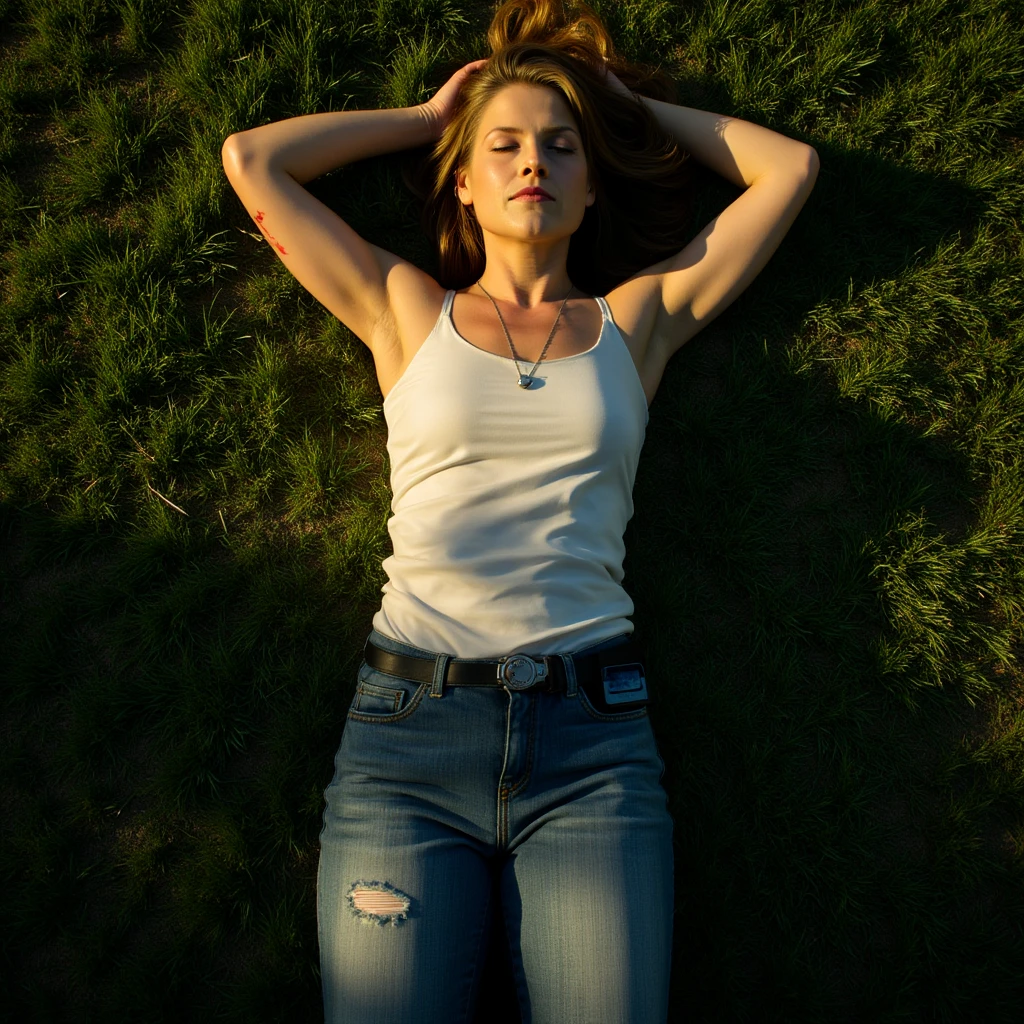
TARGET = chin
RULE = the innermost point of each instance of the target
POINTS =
(534, 229)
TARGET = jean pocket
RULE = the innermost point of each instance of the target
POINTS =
(380, 697)
(372, 699)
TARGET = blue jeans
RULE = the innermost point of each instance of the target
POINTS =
(432, 798)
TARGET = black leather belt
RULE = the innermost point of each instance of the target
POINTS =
(514, 672)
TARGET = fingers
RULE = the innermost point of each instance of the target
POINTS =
(439, 107)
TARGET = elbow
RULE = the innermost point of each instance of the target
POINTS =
(233, 154)
(242, 155)
(810, 165)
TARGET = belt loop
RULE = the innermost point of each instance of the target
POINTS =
(570, 674)
(440, 670)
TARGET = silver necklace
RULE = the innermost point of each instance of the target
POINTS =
(526, 379)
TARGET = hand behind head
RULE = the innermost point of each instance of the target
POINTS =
(440, 106)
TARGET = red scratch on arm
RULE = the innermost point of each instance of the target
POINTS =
(270, 238)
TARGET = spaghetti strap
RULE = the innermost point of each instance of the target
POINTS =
(605, 311)
(449, 298)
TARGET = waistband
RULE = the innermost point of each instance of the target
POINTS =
(611, 672)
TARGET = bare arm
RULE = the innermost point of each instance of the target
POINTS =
(671, 301)
(739, 151)
(268, 166)
(310, 145)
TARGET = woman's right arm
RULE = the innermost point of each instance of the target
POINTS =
(267, 167)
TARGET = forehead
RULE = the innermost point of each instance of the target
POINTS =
(527, 107)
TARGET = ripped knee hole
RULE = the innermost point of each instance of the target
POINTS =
(378, 903)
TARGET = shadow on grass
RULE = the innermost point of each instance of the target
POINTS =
(837, 851)
(828, 859)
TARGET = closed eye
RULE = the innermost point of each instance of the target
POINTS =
(513, 145)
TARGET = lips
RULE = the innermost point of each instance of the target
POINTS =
(533, 193)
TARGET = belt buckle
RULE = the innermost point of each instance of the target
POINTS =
(520, 671)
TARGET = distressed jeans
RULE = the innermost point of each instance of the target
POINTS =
(439, 800)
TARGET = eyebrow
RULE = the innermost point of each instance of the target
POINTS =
(551, 129)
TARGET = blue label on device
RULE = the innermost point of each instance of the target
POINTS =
(624, 684)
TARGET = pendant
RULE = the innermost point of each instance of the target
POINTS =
(525, 381)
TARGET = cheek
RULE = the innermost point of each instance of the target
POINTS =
(495, 179)
(581, 187)
(490, 183)
(576, 175)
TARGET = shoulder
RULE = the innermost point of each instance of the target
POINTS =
(634, 307)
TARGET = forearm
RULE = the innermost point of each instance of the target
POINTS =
(739, 151)
(310, 145)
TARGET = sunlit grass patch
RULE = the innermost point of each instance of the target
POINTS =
(45, 268)
(108, 140)
(69, 37)
(391, 22)
(38, 374)
(412, 67)
(141, 21)
(240, 66)
(319, 472)
(179, 221)
(265, 293)
(940, 598)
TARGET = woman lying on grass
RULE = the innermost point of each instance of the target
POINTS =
(499, 726)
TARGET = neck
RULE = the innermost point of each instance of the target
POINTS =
(526, 273)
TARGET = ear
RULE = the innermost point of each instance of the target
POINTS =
(462, 190)
(591, 194)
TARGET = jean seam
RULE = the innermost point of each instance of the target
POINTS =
(528, 770)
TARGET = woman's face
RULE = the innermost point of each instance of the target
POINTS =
(527, 176)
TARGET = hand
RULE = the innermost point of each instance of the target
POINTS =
(438, 109)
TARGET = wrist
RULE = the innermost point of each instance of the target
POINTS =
(430, 121)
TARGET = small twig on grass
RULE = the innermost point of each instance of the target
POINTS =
(167, 500)
(91, 486)
(222, 523)
(137, 445)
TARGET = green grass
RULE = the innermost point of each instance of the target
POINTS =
(826, 556)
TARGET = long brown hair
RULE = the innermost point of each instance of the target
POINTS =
(641, 176)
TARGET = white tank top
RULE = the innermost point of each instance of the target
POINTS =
(510, 504)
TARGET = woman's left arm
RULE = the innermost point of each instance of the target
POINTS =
(671, 301)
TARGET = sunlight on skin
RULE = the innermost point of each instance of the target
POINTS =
(528, 138)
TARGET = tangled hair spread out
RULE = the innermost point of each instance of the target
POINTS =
(641, 177)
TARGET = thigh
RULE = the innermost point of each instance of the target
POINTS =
(402, 931)
(588, 901)
(403, 895)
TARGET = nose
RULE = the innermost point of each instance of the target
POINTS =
(532, 163)
(531, 168)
